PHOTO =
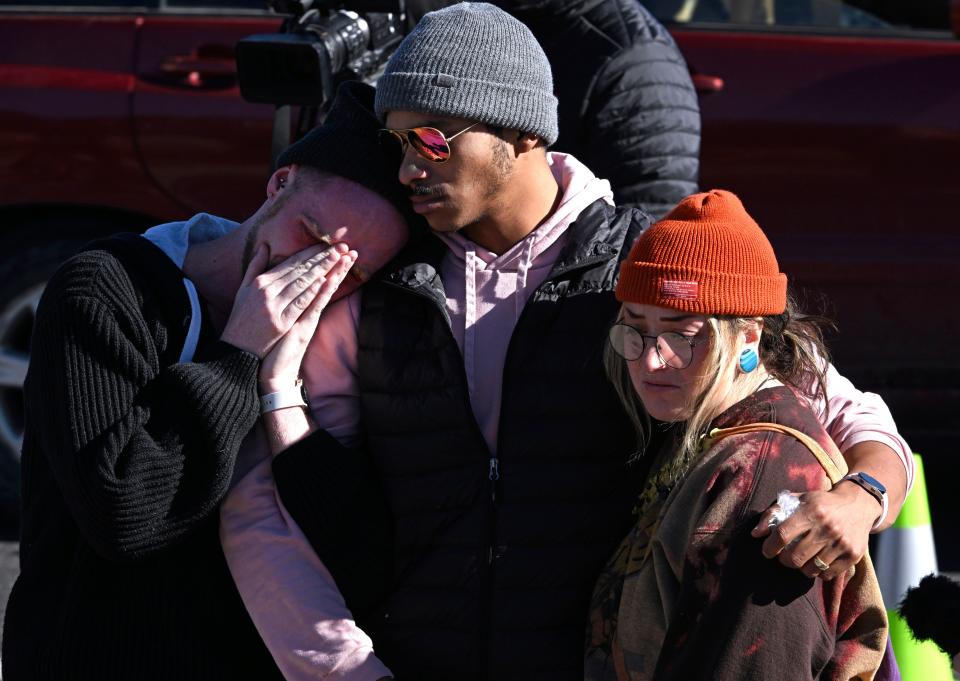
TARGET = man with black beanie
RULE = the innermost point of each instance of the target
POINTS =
(142, 388)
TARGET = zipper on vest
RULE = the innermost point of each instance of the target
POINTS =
(494, 475)
(488, 604)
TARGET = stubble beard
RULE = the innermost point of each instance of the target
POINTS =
(489, 185)
(250, 243)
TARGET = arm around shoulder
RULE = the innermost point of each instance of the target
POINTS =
(864, 430)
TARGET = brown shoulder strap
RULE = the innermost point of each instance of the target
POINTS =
(832, 461)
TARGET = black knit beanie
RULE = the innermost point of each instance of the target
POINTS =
(345, 144)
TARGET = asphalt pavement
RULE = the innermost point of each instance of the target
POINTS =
(9, 568)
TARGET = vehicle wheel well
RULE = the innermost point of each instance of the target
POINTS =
(34, 241)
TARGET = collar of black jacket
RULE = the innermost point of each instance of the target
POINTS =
(589, 241)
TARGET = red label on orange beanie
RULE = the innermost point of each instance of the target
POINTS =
(680, 290)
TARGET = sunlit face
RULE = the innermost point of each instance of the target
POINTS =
(466, 191)
(332, 210)
(666, 392)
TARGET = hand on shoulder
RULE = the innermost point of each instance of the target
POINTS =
(830, 528)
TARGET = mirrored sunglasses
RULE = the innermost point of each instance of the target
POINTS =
(430, 143)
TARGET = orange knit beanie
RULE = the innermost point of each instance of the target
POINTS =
(706, 256)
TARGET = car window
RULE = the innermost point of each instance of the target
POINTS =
(193, 6)
(47, 5)
(881, 16)
(173, 5)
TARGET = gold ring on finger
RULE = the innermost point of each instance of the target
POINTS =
(821, 566)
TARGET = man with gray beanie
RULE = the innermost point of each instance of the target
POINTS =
(483, 408)
(628, 108)
(146, 361)
(477, 401)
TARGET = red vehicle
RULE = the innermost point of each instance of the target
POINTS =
(837, 122)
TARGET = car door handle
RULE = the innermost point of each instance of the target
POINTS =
(207, 69)
(705, 84)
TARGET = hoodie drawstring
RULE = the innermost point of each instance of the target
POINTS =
(523, 266)
(470, 315)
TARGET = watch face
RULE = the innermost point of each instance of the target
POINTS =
(869, 479)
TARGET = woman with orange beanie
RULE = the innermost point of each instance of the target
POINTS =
(708, 342)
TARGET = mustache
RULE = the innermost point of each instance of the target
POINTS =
(424, 190)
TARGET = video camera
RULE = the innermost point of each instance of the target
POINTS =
(319, 45)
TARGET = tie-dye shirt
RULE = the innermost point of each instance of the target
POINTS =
(689, 595)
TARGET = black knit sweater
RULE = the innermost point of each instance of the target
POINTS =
(127, 454)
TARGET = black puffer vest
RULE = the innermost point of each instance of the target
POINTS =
(496, 555)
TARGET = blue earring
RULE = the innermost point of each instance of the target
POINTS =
(748, 360)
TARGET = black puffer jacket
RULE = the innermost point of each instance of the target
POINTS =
(628, 108)
(495, 556)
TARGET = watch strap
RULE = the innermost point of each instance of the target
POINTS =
(282, 399)
(878, 494)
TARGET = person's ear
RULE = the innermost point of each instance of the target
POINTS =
(281, 179)
(525, 142)
(752, 331)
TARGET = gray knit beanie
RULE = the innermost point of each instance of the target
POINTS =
(472, 60)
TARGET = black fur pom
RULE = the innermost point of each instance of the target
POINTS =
(932, 611)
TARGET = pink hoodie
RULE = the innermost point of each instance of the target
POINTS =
(291, 597)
